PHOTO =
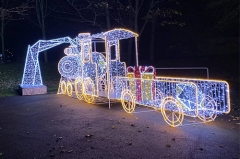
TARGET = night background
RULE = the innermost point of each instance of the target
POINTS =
(172, 34)
(201, 33)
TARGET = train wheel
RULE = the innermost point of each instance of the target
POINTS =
(172, 111)
(63, 87)
(69, 88)
(207, 111)
(89, 91)
(128, 101)
(79, 88)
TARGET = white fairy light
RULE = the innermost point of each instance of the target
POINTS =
(87, 74)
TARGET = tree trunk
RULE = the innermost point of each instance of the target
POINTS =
(152, 41)
(108, 18)
(45, 52)
(136, 16)
(2, 38)
(129, 55)
(135, 26)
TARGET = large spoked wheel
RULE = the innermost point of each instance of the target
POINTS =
(63, 87)
(69, 88)
(128, 101)
(89, 91)
(172, 111)
(79, 88)
(207, 111)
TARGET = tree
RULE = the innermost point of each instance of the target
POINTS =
(89, 12)
(39, 18)
(134, 15)
(224, 13)
(9, 11)
(164, 14)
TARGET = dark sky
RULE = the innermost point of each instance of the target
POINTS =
(20, 34)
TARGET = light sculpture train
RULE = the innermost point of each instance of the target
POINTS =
(89, 75)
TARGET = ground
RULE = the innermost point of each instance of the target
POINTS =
(57, 126)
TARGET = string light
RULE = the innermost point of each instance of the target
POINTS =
(88, 74)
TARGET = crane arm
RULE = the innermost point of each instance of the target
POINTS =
(32, 74)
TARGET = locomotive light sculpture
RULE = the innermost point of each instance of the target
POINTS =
(88, 75)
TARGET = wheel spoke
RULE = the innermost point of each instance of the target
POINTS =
(175, 117)
(169, 115)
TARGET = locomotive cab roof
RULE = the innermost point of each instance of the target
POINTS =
(116, 34)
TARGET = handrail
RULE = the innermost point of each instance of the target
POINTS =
(185, 68)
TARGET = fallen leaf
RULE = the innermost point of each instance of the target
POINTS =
(62, 146)
(113, 127)
(147, 126)
(52, 155)
(129, 143)
(92, 147)
(132, 125)
(88, 135)
(139, 131)
(118, 122)
(89, 140)
(1, 153)
(221, 146)
(212, 132)
(201, 149)
(70, 151)
(173, 139)
(168, 145)
(27, 132)
(123, 118)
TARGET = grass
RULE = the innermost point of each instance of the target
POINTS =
(11, 76)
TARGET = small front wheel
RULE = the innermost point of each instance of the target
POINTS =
(79, 88)
(63, 87)
(69, 88)
(89, 90)
(172, 111)
(128, 101)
